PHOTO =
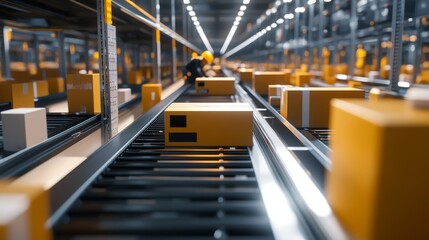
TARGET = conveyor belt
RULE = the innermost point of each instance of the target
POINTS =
(323, 135)
(157, 192)
(56, 123)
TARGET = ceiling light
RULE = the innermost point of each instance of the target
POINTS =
(274, 25)
(236, 23)
(204, 38)
(278, 3)
(192, 13)
(196, 23)
(273, 10)
(228, 39)
(194, 19)
(246, 1)
(280, 21)
(268, 12)
(289, 16)
(264, 31)
(327, 0)
(189, 8)
(311, 2)
(243, 8)
(268, 28)
(287, 1)
(299, 9)
(240, 13)
(238, 18)
(186, 1)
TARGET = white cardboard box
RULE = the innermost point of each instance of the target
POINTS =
(23, 127)
(124, 95)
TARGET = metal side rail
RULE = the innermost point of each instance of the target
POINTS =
(308, 202)
(63, 132)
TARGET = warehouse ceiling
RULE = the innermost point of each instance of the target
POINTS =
(216, 18)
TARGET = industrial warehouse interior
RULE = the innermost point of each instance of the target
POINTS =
(214, 119)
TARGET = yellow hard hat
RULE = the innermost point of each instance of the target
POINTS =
(208, 56)
(194, 55)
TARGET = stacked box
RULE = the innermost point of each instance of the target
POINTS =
(215, 86)
(19, 94)
(135, 76)
(83, 93)
(275, 93)
(23, 128)
(24, 212)
(328, 74)
(309, 107)
(261, 81)
(40, 88)
(124, 95)
(21, 76)
(209, 124)
(151, 95)
(246, 75)
(377, 185)
(302, 79)
(56, 85)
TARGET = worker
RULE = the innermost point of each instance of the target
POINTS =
(194, 68)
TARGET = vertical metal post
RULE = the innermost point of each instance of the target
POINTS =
(36, 52)
(418, 50)
(108, 74)
(62, 54)
(283, 40)
(310, 36)
(321, 28)
(296, 36)
(5, 57)
(396, 51)
(157, 45)
(123, 63)
(86, 54)
(353, 28)
(137, 57)
(173, 42)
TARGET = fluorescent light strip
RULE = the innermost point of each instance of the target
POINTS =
(234, 27)
(197, 24)
(243, 45)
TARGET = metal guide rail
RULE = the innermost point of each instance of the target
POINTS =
(158, 192)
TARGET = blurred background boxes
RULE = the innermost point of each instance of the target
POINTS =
(83, 93)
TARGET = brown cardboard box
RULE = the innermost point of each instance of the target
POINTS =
(83, 93)
(135, 76)
(328, 74)
(274, 101)
(246, 75)
(276, 90)
(377, 185)
(208, 124)
(124, 95)
(19, 94)
(261, 81)
(56, 85)
(151, 95)
(302, 79)
(21, 76)
(309, 107)
(28, 212)
(215, 86)
(40, 88)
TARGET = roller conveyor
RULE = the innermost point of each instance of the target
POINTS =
(157, 192)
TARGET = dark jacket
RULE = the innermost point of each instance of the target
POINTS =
(193, 70)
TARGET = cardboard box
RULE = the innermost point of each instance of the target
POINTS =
(19, 94)
(56, 85)
(23, 127)
(377, 185)
(246, 75)
(328, 74)
(215, 86)
(21, 76)
(309, 107)
(24, 212)
(302, 79)
(261, 81)
(124, 95)
(83, 93)
(40, 88)
(135, 76)
(274, 101)
(276, 90)
(208, 124)
(151, 95)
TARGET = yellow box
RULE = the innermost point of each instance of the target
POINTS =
(328, 74)
(33, 202)
(261, 81)
(151, 95)
(246, 75)
(208, 124)
(377, 185)
(215, 86)
(302, 79)
(274, 101)
(354, 84)
(40, 88)
(135, 76)
(83, 93)
(21, 76)
(19, 94)
(56, 85)
(342, 69)
(276, 90)
(309, 107)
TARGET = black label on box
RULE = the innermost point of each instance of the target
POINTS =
(178, 121)
(182, 137)
(201, 83)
